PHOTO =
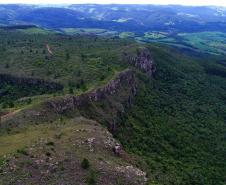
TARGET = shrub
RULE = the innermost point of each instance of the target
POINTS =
(85, 163)
(22, 151)
(67, 56)
(50, 143)
(7, 65)
(91, 179)
(71, 90)
(48, 154)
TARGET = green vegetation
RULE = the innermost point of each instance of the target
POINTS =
(12, 92)
(207, 42)
(154, 35)
(125, 35)
(211, 42)
(91, 179)
(87, 31)
(36, 31)
(85, 163)
(174, 129)
(78, 63)
(11, 143)
(58, 148)
(177, 121)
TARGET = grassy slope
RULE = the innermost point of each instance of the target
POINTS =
(94, 61)
(177, 123)
(50, 154)
(79, 63)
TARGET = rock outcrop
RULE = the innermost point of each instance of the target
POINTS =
(132, 171)
(63, 104)
(56, 158)
(142, 61)
(115, 95)
(106, 104)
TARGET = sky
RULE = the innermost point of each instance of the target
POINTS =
(162, 2)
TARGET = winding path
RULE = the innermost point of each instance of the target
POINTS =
(49, 49)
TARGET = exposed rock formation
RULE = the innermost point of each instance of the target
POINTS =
(63, 104)
(56, 159)
(117, 149)
(142, 61)
(131, 171)
(6, 78)
(106, 104)
(117, 95)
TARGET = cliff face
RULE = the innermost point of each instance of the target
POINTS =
(103, 104)
(106, 105)
(142, 61)
(24, 81)
(123, 79)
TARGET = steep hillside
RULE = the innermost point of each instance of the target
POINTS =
(164, 110)
(75, 64)
(177, 121)
(76, 151)
(39, 131)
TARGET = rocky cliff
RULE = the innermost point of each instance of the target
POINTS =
(142, 61)
(126, 78)
(102, 104)
(105, 104)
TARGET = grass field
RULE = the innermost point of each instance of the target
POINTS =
(155, 35)
(36, 31)
(207, 42)
(88, 31)
(211, 42)
(73, 31)
(125, 35)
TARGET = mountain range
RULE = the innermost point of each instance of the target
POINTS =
(136, 18)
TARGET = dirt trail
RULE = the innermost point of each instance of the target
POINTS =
(49, 50)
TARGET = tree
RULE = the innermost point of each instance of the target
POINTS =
(67, 56)
(85, 163)
(71, 90)
(7, 66)
(0, 121)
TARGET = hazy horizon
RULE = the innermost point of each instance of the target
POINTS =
(153, 2)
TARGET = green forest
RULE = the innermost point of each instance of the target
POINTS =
(174, 129)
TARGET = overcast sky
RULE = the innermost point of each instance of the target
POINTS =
(182, 2)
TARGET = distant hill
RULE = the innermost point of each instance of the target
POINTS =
(14, 27)
(136, 18)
